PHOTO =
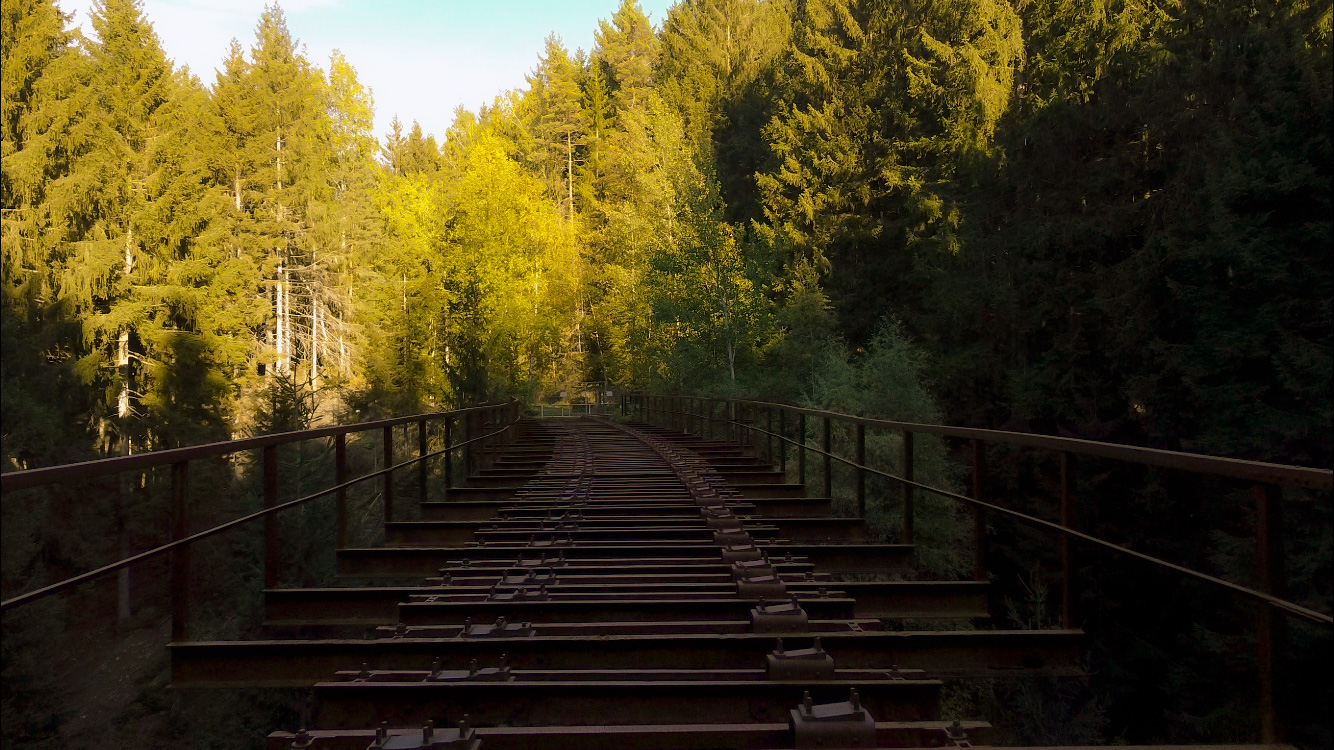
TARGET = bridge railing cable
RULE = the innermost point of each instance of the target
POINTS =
(477, 447)
(740, 420)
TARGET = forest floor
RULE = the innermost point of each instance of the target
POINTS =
(111, 677)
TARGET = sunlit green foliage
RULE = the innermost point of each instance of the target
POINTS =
(1108, 219)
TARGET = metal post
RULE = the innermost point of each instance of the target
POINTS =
(340, 476)
(449, 456)
(979, 517)
(801, 451)
(1068, 521)
(468, 463)
(421, 465)
(180, 557)
(861, 473)
(484, 442)
(388, 475)
(1269, 623)
(782, 444)
(768, 436)
(828, 458)
(909, 530)
(271, 541)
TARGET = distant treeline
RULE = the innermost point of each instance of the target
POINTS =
(1110, 219)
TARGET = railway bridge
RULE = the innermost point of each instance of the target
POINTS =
(682, 573)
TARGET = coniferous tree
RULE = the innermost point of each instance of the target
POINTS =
(860, 170)
(628, 47)
(40, 400)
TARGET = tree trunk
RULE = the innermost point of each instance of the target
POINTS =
(123, 415)
(278, 307)
(314, 345)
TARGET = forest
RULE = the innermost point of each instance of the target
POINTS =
(1107, 219)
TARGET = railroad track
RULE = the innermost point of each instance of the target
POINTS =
(623, 586)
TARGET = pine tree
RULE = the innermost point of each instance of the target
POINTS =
(555, 109)
(881, 102)
(39, 397)
(391, 153)
(628, 47)
(597, 106)
(348, 226)
(287, 151)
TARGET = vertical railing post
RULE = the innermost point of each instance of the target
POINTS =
(469, 463)
(388, 475)
(1269, 623)
(909, 517)
(340, 476)
(449, 455)
(861, 473)
(828, 458)
(180, 556)
(271, 540)
(768, 436)
(484, 444)
(421, 464)
(782, 444)
(1068, 521)
(979, 515)
(801, 450)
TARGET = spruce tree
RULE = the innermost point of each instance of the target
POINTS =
(39, 397)
(629, 48)
(563, 124)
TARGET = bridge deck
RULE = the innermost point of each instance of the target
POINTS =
(602, 585)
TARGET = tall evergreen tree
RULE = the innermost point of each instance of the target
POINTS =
(882, 101)
(288, 153)
(629, 48)
(39, 397)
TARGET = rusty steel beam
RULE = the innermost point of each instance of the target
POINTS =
(691, 736)
(417, 562)
(302, 663)
(575, 702)
(874, 599)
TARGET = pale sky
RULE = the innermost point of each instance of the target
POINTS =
(420, 58)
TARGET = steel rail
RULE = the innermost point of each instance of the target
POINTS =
(1283, 605)
(185, 541)
(29, 478)
(1235, 468)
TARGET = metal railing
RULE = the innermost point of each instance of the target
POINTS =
(570, 410)
(486, 429)
(741, 419)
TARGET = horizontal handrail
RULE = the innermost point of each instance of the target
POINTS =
(29, 478)
(1291, 608)
(1234, 468)
(186, 541)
